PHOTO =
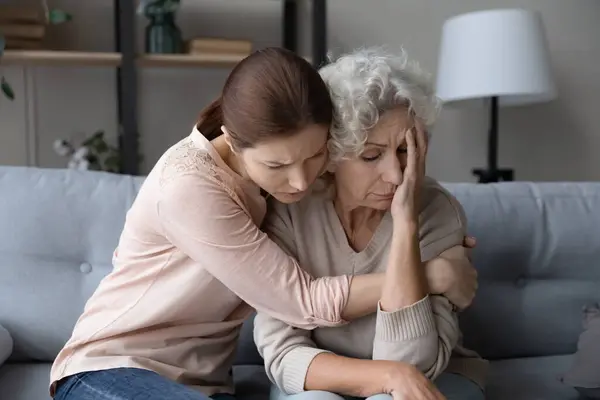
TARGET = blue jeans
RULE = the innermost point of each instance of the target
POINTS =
(127, 384)
(452, 386)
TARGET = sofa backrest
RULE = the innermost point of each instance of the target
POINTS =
(538, 256)
(58, 230)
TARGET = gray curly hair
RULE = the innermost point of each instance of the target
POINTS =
(367, 82)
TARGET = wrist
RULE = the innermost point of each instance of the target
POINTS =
(387, 375)
(405, 229)
(392, 373)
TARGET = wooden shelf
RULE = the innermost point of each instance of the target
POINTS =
(77, 58)
(64, 58)
(189, 60)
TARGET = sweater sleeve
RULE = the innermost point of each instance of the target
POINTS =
(201, 218)
(287, 352)
(425, 333)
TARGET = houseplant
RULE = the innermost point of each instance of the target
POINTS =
(93, 153)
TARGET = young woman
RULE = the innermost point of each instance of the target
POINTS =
(192, 262)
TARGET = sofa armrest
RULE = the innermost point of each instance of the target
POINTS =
(6, 345)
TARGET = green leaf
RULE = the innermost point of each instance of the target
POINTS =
(56, 17)
(112, 164)
(101, 147)
(6, 89)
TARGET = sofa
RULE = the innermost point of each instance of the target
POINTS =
(538, 257)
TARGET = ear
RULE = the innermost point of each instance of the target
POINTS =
(227, 137)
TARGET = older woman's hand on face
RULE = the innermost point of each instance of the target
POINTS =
(405, 203)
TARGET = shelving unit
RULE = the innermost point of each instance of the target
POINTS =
(182, 60)
(126, 59)
(62, 58)
(75, 58)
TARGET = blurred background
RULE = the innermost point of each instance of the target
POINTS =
(65, 97)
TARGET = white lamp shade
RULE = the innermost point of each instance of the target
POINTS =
(500, 53)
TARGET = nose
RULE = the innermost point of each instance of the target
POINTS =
(392, 171)
(298, 180)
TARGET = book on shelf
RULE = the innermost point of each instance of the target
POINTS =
(23, 44)
(23, 31)
(23, 27)
(21, 14)
(219, 46)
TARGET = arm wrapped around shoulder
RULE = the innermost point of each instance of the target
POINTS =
(200, 217)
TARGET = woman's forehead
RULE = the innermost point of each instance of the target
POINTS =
(392, 123)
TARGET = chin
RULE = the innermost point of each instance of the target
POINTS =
(383, 205)
(286, 198)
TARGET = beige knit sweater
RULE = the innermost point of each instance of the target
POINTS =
(425, 334)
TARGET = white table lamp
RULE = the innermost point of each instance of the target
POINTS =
(501, 55)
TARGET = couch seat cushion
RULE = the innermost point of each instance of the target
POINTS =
(532, 378)
(535, 378)
(27, 381)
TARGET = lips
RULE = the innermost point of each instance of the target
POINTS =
(292, 194)
(384, 196)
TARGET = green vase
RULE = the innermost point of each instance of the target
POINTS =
(162, 34)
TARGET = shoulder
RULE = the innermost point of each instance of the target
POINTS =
(437, 201)
(186, 168)
(442, 221)
(183, 159)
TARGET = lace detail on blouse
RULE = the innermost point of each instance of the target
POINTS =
(187, 157)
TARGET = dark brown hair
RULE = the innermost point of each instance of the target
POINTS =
(272, 92)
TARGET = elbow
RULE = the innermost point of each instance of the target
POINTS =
(437, 362)
(328, 298)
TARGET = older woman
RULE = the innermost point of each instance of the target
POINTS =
(375, 214)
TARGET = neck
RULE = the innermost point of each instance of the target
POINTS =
(231, 159)
(359, 222)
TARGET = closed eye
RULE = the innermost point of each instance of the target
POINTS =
(371, 158)
(276, 166)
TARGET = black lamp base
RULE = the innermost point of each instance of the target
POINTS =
(493, 175)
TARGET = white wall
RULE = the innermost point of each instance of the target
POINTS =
(555, 141)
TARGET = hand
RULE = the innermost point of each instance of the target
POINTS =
(405, 382)
(452, 275)
(469, 242)
(406, 199)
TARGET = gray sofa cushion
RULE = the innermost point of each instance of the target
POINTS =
(6, 344)
(534, 378)
(58, 230)
(584, 374)
(537, 256)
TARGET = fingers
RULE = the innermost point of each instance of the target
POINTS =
(422, 144)
(422, 141)
(410, 171)
(469, 242)
(434, 393)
